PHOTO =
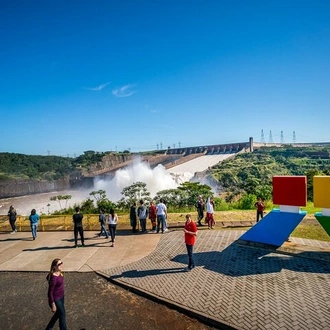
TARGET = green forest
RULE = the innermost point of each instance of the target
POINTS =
(33, 167)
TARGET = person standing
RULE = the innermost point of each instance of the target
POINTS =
(56, 295)
(190, 233)
(200, 206)
(78, 227)
(210, 213)
(142, 214)
(161, 215)
(113, 219)
(153, 216)
(12, 219)
(260, 206)
(103, 220)
(132, 217)
(34, 220)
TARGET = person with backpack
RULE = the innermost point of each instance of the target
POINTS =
(34, 220)
(142, 214)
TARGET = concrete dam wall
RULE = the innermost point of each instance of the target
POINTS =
(15, 188)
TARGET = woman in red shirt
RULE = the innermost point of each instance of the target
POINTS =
(190, 233)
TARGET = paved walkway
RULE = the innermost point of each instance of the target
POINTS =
(18, 252)
(233, 286)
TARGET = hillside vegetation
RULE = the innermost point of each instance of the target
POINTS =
(251, 173)
(35, 167)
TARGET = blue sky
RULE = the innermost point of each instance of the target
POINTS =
(138, 75)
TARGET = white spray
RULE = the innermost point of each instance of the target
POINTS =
(156, 179)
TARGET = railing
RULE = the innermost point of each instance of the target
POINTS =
(58, 222)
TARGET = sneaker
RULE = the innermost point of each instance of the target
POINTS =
(187, 269)
(83, 244)
(76, 246)
(13, 232)
(166, 229)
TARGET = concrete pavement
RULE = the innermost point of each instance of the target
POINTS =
(18, 252)
(233, 286)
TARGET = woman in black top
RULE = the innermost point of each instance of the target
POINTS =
(78, 227)
(12, 219)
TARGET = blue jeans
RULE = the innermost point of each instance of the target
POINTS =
(104, 229)
(58, 315)
(143, 223)
(12, 224)
(191, 263)
(34, 227)
(161, 221)
(112, 229)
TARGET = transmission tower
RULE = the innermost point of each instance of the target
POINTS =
(282, 137)
(262, 136)
(270, 137)
(294, 137)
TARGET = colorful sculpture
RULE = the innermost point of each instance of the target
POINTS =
(290, 193)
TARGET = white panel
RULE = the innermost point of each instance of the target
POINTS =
(326, 212)
(289, 208)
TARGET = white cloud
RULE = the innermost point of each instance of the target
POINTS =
(99, 88)
(123, 91)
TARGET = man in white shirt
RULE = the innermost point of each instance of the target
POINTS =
(161, 215)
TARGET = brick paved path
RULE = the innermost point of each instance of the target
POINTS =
(236, 286)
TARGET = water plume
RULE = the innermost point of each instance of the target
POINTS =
(156, 179)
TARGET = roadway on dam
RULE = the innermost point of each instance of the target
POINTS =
(200, 164)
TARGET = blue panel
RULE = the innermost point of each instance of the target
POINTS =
(274, 228)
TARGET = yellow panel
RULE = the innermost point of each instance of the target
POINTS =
(321, 185)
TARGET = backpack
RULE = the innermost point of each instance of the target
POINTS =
(143, 213)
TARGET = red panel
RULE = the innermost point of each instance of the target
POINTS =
(290, 190)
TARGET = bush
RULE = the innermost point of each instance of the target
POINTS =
(247, 202)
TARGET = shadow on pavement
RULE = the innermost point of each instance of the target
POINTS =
(238, 260)
(142, 273)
